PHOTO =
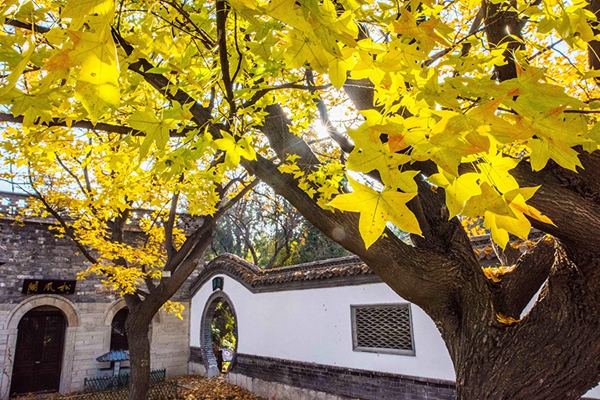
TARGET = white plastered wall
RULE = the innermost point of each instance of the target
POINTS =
(314, 325)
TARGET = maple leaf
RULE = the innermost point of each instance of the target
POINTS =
(235, 149)
(157, 131)
(16, 72)
(424, 32)
(95, 55)
(376, 209)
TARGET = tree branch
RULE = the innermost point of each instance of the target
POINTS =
(68, 230)
(244, 233)
(200, 115)
(26, 25)
(75, 177)
(571, 201)
(403, 267)
(594, 45)
(345, 144)
(120, 129)
(516, 289)
(222, 12)
(170, 247)
(284, 142)
(503, 26)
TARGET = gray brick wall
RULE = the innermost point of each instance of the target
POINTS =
(32, 251)
(343, 382)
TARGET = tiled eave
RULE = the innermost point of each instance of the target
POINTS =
(343, 271)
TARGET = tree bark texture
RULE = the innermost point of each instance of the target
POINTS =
(139, 351)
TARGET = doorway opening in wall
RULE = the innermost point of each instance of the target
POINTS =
(39, 351)
(218, 334)
(118, 343)
(118, 337)
(223, 334)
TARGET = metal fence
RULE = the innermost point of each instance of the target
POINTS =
(117, 388)
(119, 381)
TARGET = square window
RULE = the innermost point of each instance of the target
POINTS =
(383, 328)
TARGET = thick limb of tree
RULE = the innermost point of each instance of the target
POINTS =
(450, 287)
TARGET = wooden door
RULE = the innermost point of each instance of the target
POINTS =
(39, 353)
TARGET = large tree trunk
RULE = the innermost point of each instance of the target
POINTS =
(552, 353)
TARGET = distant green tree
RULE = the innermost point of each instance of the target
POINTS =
(314, 246)
(267, 231)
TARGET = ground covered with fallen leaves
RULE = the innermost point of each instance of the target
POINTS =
(196, 387)
(191, 387)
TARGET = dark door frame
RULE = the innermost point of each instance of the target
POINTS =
(38, 362)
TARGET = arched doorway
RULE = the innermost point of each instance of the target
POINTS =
(218, 332)
(39, 351)
(118, 337)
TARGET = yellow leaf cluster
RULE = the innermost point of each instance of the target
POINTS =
(494, 273)
(174, 307)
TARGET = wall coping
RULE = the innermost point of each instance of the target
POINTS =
(343, 271)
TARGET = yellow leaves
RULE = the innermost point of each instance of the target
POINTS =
(337, 72)
(97, 13)
(494, 273)
(370, 154)
(503, 319)
(173, 307)
(376, 209)
(491, 193)
(304, 50)
(95, 56)
(553, 138)
(424, 32)
(458, 190)
(235, 149)
(126, 280)
(157, 131)
(320, 184)
(15, 74)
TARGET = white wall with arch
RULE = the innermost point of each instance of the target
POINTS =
(314, 325)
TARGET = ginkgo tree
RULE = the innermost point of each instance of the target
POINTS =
(443, 110)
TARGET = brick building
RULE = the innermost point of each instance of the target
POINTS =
(53, 327)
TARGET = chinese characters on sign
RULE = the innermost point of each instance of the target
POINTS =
(45, 286)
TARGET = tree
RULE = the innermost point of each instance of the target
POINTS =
(261, 227)
(268, 231)
(473, 108)
(314, 246)
(123, 213)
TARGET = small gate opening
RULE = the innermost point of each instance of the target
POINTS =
(118, 337)
(219, 334)
(39, 352)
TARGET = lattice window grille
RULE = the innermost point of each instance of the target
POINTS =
(384, 328)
